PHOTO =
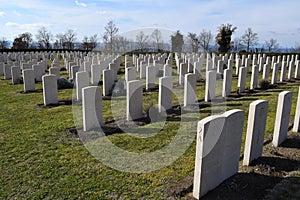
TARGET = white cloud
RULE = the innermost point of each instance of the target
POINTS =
(80, 4)
(2, 14)
(32, 26)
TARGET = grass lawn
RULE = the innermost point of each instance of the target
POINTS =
(40, 160)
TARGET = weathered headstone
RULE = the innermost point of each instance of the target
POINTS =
(282, 117)
(38, 72)
(134, 102)
(165, 93)
(50, 89)
(257, 117)
(167, 70)
(91, 107)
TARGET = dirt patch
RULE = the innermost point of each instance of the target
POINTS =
(252, 182)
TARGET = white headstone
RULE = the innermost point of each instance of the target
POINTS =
(108, 81)
(150, 77)
(275, 74)
(257, 117)
(296, 127)
(227, 83)
(55, 71)
(167, 70)
(28, 79)
(7, 71)
(82, 81)
(266, 72)
(183, 70)
(38, 72)
(91, 107)
(283, 72)
(134, 102)
(210, 85)
(189, 89)
(217, 150)
(130, 74)
(16, 74)
(282, 117)
(165, 93)
(297, 69)
(50, 89)
(291, 70)
(242, 79)
(96, 73)
(254, 77)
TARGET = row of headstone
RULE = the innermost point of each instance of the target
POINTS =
(218, 143)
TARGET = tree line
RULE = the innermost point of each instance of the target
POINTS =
(113, 42)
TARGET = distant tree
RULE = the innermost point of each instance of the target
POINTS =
(177, 42)
(122, 44)
(93, 41)
(111, 31)
(156, 36)
(223, 38)
(237, 44)
(69, 39)
(205, 38)
(194, 41)
(23, 41)
(3, 43)
(142, 40)
(60, 42)
(249, 38)
(44, 38)
(272, 44)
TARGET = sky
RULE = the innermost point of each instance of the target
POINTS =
(276, 19)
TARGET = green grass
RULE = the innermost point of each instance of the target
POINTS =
(37, 161)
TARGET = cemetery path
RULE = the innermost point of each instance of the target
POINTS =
(260, 180)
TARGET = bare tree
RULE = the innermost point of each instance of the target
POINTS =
(205, 38)
(194, 41)
(142, 40)
(3, 43)
(223, 38)
(249, 38)
(93, 41)
(272, 44)
(156, 36)
(89, 43)
(44, 38)
(70, 39)
(111, 31)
